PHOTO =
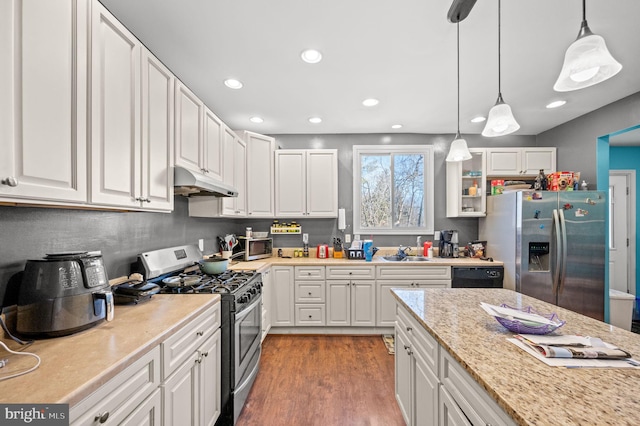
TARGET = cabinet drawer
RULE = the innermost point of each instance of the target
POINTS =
(468, 395)
(348, 272)
(309, 272)
(310, 292)
(423, 342)
(430, 272)
(177, 348)
(122, 394)
(310, 315)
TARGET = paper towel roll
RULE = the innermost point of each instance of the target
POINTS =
(342, 224)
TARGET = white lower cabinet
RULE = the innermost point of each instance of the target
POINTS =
(282, 296)
(389, 277)
(192, 392)
(434, 389)
(351, 296)
(310, 295)
(416, 372)
(266, 301)
(123, 396)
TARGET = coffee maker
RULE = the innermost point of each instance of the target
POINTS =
(448, 243)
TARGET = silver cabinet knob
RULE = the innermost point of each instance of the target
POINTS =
(10, 181)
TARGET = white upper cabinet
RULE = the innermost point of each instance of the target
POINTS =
(515, 162)
(260, 174)
(115, 112)
(131, 120)
(157, 133)
(466, 195)
(234, 173)
(188, 124)
(306, 183)
(212, 145)
(43, 81)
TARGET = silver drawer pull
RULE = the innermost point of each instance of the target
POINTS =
(101, 417)
(200, 333)
(9, 181)
(409, 328)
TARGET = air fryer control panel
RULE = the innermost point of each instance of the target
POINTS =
(95, 275)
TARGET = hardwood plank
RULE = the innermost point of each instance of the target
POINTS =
(323, 380)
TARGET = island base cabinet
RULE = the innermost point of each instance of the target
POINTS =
(450, 413)
(468, 396)
(416, 381)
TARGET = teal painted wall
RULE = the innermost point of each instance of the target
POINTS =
(628, 158)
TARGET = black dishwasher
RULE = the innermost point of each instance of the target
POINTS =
(477, 277)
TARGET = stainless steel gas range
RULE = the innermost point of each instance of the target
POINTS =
(175, 270)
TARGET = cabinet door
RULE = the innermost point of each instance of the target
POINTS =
(157, 133)
(403, 360)
(148, 413)
(504, 161)
(449, 412)
(212, 145)
(115, 112)
(266, 302)
(363, 303)
(43, 81)
(425, 387)
(290, 183)
(228, 175)
(386, 303)
(188, 128)
(180, 395)
(534, 159)
(282, 296)
(338, 302)
(322, 183)
(209, 380)
(240, 176)
(260, 174)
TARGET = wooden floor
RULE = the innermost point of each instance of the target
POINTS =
(323, 380)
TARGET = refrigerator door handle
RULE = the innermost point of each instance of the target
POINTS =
(558, 264)
(563, 230)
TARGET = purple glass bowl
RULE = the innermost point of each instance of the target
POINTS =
(521, 328)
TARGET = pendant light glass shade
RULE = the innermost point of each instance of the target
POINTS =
(458, 150)
(586, 62)
(500, 121)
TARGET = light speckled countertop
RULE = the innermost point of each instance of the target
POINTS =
(74, 366)
(527, 389)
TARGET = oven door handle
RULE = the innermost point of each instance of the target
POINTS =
(246, 310)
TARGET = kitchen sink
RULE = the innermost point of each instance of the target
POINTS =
(396, 258)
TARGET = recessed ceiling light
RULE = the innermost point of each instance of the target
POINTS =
(311, 56)
(478, 119)
(232, 83)
(256, 120)
(556, 104)
(315, 120)
(370, 102)
(396, 126)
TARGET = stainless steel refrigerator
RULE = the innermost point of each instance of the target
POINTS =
(552, 245)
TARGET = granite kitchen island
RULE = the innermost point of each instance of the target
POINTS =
(522, 389)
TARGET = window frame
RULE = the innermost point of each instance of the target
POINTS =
(429, 186)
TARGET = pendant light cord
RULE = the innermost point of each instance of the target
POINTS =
(584, 10)
(499, 72)
(458, 59)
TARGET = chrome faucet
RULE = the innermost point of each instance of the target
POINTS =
(402, 251)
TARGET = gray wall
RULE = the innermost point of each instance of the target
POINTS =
(576, 140)
(31, 232)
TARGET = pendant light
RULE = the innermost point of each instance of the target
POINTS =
(587, 61)
(459, 150)
(500, 121)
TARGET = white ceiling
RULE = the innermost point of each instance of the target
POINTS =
(400, 52)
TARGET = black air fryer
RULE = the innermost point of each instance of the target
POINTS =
(62, 294)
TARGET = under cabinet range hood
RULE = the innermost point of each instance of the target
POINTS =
(189, 183)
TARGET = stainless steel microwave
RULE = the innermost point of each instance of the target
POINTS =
(256, 248)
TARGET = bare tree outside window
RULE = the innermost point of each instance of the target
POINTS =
(391, 189)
